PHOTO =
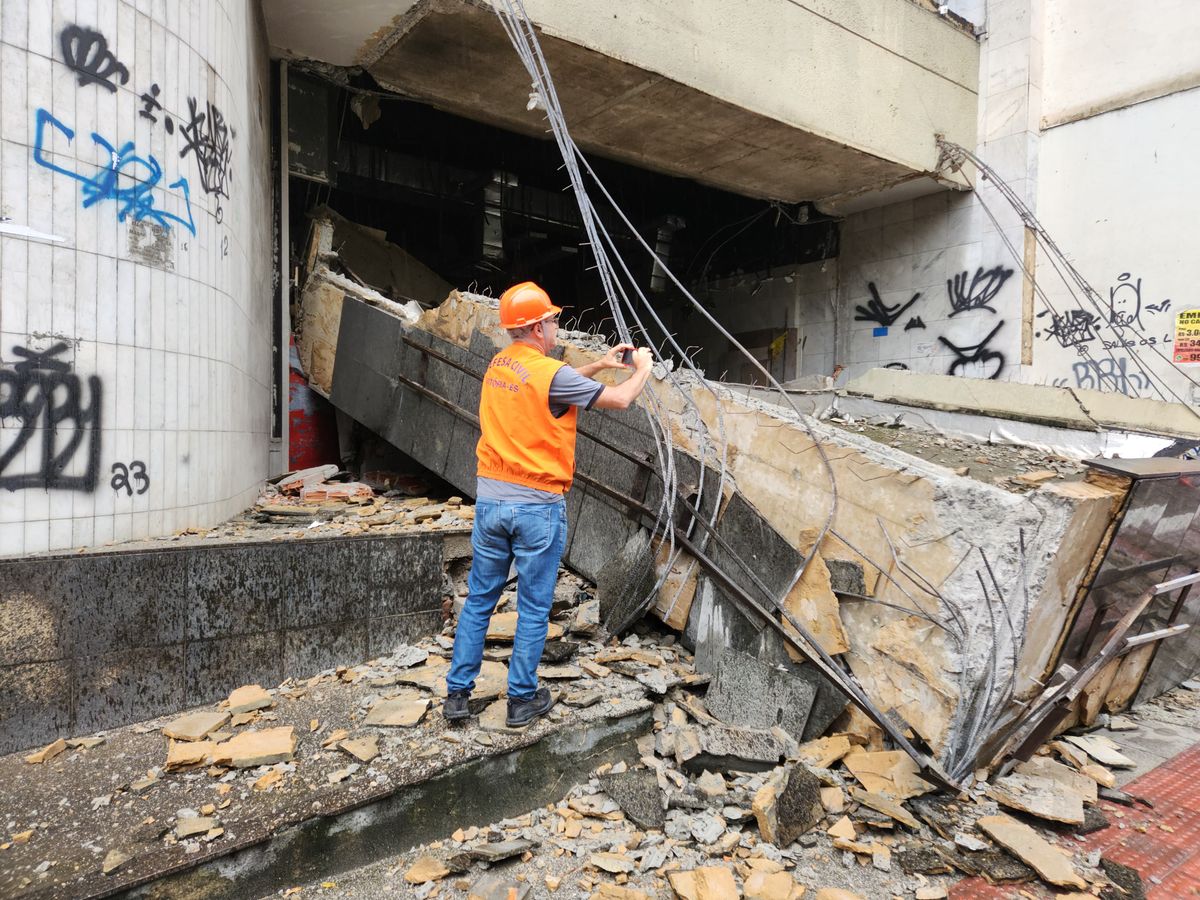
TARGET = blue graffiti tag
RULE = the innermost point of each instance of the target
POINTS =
(137, 199)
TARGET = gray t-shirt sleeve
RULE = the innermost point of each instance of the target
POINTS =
(569, 388)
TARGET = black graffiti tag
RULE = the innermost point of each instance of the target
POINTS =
(121, 473)
(1072, 328)
(984, 287)
(208, 138)
(878, 312)
(86, 54)
(978, 356)
(48, 400)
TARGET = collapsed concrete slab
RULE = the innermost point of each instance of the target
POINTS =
(957, 573)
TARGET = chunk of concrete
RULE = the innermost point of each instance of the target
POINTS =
(256, 748)
(707, 883)
(788, 805)
(639, 796)
(1025, 844)
(748, 693)
(186, 754)
(724, 749)
(197, 726)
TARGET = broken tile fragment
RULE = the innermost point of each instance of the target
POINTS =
(497, 886)
(193, 825)
(1025, 844)
(400, 712)
(1102, 749)
(257, 748)
(503, 627)
(771, 886)
(427, 868)
(196, 726)
(892, 773)
(249, 698)
(364, 749)
(824, 752)
(47, 753)
(497, 851)
(614, 863)
(186, 754)
(887, 806)
(113, 860)
(706, 883)
(1038, 796)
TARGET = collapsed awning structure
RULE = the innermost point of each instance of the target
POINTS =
(949, 602)
(937, 604)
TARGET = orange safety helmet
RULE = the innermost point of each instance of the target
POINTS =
(525, 304)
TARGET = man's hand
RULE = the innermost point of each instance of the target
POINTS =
(642, 359)
(612, 358)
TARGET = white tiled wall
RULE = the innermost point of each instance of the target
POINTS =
(757, 308)
(179, 341)
(917, 247)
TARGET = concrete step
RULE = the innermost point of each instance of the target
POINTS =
(428, 780)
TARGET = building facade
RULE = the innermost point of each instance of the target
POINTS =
(145, 235)
(137, 253)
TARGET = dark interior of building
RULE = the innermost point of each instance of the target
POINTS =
(485, 208)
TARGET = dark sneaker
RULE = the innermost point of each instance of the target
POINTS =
(457, 706)
(522, 712)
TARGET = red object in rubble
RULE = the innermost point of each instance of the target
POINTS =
(312, 424)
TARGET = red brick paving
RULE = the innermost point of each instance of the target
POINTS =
(1170, 856)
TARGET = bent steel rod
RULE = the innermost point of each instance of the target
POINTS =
(802, 640)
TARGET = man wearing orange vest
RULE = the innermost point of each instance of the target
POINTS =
(528, 408)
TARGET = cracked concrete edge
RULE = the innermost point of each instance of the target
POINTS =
(485, 789)
(1063, 406)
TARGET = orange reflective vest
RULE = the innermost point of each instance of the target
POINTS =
(521, 442)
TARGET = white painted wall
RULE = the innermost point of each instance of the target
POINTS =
(160, 285)
(1119, 192)
(1102, 55)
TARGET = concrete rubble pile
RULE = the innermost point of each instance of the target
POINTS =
(328, 507)
(714, 802)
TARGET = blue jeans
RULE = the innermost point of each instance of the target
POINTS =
(535, 534)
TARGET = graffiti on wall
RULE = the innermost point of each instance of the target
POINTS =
(86, 53)
(125, 177)
(128, 177)
(966, 293)
(977, 360)
(879, 312)
(979, 294)
(122, 473)
(1124, 323)
(1112, 375)
(58, 416)
(207, 137)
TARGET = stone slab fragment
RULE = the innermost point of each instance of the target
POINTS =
(750, 694)
(1025, 844)
(639, 796)
(196, 726)
(256, 748)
